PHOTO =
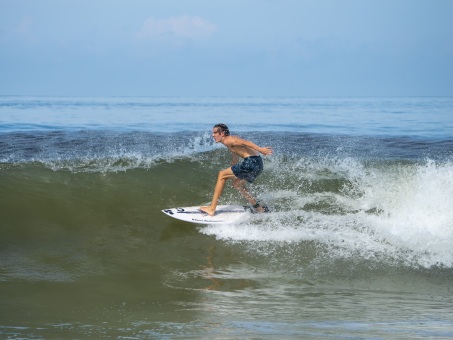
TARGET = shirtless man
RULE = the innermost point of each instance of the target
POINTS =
(241, 172)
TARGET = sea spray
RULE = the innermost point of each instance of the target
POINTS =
(400, 213)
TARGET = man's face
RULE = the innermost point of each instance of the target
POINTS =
(216, 134)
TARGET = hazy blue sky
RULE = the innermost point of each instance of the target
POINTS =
(226, 48)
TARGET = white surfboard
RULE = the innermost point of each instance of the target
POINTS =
(224, 214)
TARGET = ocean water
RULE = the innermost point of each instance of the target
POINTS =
(359, 243)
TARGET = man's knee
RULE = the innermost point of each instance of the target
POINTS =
(224, 174)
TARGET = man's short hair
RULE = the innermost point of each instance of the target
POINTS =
(223, 128)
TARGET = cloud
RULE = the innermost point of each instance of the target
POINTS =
(189, 27)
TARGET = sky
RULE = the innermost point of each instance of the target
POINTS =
(226, 48)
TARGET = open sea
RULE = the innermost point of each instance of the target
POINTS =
(359, 243)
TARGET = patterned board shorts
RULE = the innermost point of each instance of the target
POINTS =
(249, 168)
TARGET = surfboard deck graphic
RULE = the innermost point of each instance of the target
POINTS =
(224, 214)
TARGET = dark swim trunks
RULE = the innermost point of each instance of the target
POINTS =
(249, 168)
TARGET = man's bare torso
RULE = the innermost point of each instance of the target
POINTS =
(235, 146)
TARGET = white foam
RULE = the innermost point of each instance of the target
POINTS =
(420, 214)
(402, 213)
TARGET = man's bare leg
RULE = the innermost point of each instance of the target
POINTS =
(239, 185)
(224, 175)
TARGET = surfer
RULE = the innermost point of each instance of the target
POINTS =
(240, 172)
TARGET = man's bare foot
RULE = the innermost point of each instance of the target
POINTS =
(208, 210)
(261, 208)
